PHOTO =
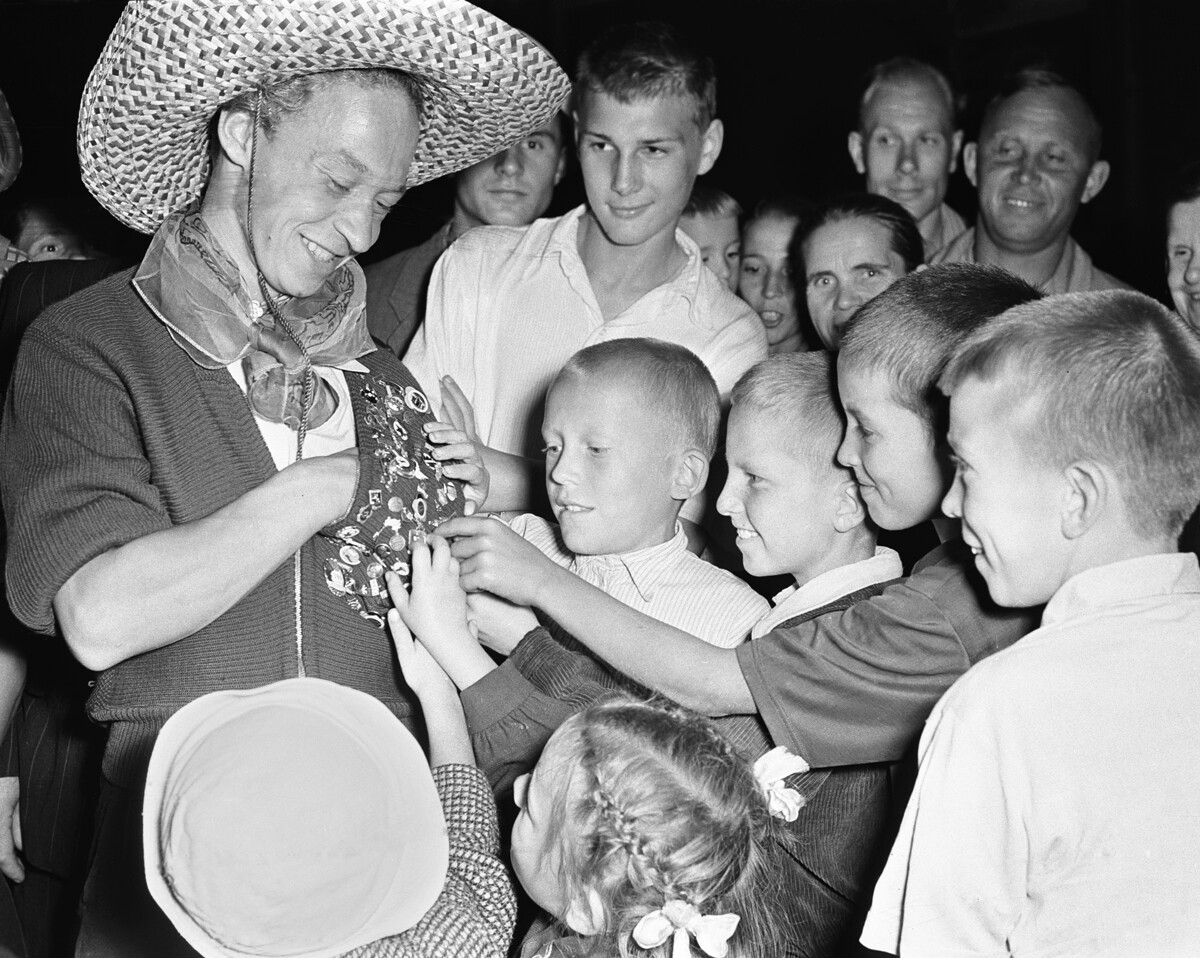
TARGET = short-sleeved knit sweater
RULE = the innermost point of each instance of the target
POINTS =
(110, 433)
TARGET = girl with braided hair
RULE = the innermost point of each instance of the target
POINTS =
(644, 834)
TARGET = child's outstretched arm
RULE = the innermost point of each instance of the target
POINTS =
(687, 669)
(499, 625)
(449, 741)
(436, 612)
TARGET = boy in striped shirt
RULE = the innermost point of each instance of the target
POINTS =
(629, 430)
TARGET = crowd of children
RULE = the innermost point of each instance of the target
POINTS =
(1051, 433)
(986, 747)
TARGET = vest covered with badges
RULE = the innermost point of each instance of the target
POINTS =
(401, 497)
(197, 436)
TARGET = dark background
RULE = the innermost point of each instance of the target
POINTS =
(790, 73)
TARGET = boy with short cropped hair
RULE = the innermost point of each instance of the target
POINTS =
(1074, 423)
(629, 430)
(711, 218)
(508, 306)
(850, 687)
(797, 512)
(794, 509)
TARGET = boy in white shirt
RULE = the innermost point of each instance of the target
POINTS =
(1056, 806)
(629, 430)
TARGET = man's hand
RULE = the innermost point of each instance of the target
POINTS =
(499, 624)
(10, 829)
(495, 559)
(436, 612)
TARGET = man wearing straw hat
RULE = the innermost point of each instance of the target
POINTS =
(207, 467)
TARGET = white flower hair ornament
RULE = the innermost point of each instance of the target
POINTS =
(683, 921)
(771, 770)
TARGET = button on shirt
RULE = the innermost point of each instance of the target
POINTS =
(508, 306)
(666, 582)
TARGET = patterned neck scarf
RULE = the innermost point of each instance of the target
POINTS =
(213, 314)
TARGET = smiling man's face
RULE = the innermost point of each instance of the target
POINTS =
(1034, 165)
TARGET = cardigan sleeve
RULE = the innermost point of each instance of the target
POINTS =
(76, 479)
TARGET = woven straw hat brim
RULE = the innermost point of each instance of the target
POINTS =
(169, 64)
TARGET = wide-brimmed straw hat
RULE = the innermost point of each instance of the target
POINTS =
(169, 64)
(299, 819)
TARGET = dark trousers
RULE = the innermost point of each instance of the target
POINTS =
(118, 918)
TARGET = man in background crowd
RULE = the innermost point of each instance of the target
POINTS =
(1036, 162)
(907, 144)
(512, 188)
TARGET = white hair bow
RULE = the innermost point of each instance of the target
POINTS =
(678, 918)
(770, 770)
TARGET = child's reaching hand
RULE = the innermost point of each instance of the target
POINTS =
(496, 559)
(449, 740)
(456, 445)
(421, 671)
(436, 612)
(437, 603)
(461, 459)
(497, 623)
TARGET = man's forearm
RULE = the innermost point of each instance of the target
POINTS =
(166, 585)
(659, 656)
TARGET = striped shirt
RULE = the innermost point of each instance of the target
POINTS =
(666, 582)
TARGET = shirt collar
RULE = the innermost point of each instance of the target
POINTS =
(793, 601)
(644, 567)
(1129, 580)
(564, 241)
(1074, 269)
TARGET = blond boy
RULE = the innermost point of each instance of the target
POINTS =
(1056, 805)
(629, 430)
(711, 218)
(797, 512)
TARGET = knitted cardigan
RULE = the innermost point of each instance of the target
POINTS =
(110, 433)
